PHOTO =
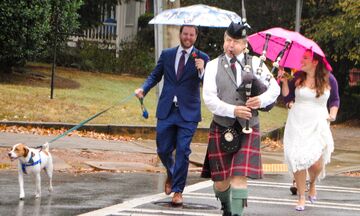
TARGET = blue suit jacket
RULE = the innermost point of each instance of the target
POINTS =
(186, 89)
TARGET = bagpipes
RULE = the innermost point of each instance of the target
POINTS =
(251, 85)
(275, 69)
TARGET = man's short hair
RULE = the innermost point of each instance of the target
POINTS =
(195, 27)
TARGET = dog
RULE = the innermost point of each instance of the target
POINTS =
(32, 161)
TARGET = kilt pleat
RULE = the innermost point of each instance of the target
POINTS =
(219, 165)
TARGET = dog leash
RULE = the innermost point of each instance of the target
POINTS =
(145, 115)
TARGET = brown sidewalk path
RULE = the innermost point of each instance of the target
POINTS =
(345, 158)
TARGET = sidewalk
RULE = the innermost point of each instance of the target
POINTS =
(345, 158)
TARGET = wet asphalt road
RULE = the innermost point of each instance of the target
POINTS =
(76, 194)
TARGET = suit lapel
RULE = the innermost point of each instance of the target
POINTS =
(227, 68)
(189, 61)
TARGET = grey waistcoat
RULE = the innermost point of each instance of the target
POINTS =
(227, 92)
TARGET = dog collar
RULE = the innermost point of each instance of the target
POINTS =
(30, 163)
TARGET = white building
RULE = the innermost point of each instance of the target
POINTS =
(119, 23)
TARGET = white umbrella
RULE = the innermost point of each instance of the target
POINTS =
(197, 15)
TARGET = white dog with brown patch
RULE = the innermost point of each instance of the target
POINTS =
(32, 161)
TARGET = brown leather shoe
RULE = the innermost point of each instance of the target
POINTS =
(167, 187)
(177, 199)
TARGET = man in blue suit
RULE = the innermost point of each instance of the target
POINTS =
(179, 109)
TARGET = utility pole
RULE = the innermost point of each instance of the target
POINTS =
(243, 10)
(158, 30)
(159, 40)
(164, 35)
(299, 4)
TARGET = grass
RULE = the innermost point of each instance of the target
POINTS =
(79, 95)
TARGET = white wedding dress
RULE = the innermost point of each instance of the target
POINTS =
(307, 134)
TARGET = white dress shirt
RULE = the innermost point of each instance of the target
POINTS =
(221, 108)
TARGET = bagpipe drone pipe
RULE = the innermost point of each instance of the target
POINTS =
(252, 86)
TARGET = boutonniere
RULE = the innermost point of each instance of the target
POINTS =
(194, 55)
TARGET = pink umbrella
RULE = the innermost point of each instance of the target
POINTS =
(293, 54)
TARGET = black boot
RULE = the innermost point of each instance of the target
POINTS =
(224, 208)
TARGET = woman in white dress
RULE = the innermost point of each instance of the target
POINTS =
(308, 141)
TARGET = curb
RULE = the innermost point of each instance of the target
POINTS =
(145, 132)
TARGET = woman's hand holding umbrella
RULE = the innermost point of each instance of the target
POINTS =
(283, 76)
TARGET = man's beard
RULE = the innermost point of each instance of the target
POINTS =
(184, 46)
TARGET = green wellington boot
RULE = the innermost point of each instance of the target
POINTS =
(238, 201)
(224, 197)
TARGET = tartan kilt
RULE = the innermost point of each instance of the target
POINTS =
(219, 165)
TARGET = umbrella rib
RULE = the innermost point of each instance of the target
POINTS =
(190, 14)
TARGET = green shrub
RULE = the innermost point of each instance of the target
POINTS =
(143, 20)
(97, 57)
(67, 57)
(135, 57)
(145, 30)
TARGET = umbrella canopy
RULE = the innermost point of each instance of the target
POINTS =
(292, 56)
(198, 15)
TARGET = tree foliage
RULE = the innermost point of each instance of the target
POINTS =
(64, 20)
(27, 28)
(23, 26)
(335, 25)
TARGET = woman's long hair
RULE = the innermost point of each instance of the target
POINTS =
(321, 76)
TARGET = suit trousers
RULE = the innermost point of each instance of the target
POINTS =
(175, 133)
